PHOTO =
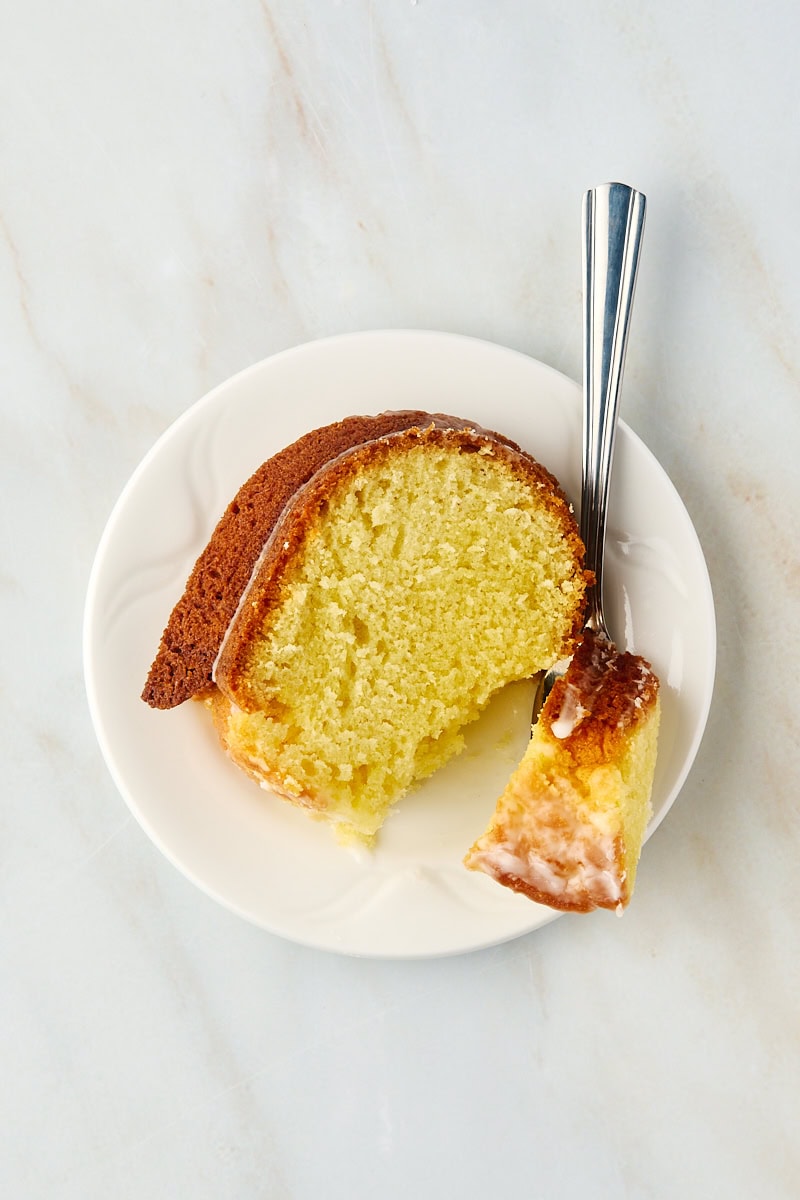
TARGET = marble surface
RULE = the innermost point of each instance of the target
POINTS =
(188, 188)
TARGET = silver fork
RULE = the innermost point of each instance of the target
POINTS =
(613, 224)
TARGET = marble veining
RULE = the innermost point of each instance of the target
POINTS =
(186, 189)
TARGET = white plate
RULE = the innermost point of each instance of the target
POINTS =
(250, 850)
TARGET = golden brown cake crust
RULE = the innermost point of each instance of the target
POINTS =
(266, 588)
(605, 694)
(612, 687)
(192, 639)
(579, 904)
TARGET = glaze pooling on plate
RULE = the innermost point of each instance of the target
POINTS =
(251, 851)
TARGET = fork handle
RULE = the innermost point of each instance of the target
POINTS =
(613, 223)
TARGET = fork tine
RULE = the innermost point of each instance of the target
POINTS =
(544, 681)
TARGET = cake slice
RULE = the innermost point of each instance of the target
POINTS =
(404, 581)
(568, 829)
(190, 643)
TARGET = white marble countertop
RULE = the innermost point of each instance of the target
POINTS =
(188, 188)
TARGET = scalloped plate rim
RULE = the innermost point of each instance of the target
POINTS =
(411, 348)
